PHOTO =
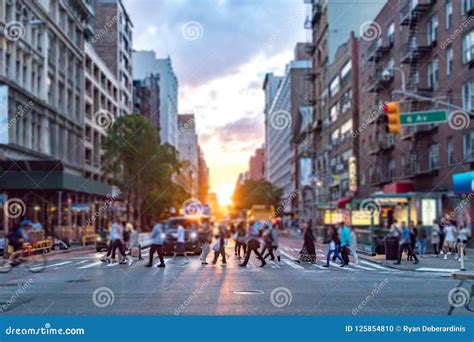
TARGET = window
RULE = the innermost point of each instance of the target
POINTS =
(468, 96)
(346, 101)
(449, 60)
(450, 150)
(433, 156)
(334, 112)
(346, 69)
(391, 33)
(469, 146)
(449, 14)
(334, 87)
(432, 29)
(468, 47)
(466, 6)
(433, 73)
(392, 169)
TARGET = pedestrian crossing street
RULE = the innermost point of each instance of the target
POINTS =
(288, 255)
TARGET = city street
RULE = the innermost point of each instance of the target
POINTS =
(78, 283)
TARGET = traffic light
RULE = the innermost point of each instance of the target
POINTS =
(392, 111)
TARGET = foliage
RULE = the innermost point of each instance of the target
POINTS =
(256, 192)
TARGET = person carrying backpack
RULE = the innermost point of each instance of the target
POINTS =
(422, 238)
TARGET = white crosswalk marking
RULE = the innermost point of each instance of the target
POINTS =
(371, 264)
(345, 268)
(90, 265)
(53, 265)
(363, 267)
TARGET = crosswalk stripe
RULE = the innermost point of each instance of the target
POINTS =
(443, 270)
(339, 266)
(319, 266)
(292, 264)
(90, 265)
(371, 264)
(53, 265)
(362, 267)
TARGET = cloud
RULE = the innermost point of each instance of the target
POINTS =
(233, 32)
(245, 130)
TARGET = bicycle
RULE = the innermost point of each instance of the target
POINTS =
(34, 260)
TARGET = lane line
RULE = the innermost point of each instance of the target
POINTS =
(429, 269)
(91, 265)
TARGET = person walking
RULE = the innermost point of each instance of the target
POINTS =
(463, 238)
(252, 245)
(422, 237)
(116, 235)
(435, 237)
(157, 245)
(267, 241)
(239, 244)
(405, 244)
(345, 237)
(204, 239)
(413, 235)
(333, 247)
(449, 239)
(135, 242)
(221, 247)
(180, 247)
(273, 248)
(354, 246)
(308, 252)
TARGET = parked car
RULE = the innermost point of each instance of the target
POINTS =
(102, 241)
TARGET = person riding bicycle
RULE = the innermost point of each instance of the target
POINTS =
(17, 236)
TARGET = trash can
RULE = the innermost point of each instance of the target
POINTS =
(391, 248)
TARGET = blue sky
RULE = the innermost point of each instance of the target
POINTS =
(221, 50)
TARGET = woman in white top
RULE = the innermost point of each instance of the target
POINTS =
(354, 246)
(449, 239)
(435, 237)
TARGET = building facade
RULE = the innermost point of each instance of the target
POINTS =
(146, 98)
(257, 164)
(188, 148)
(146, 63)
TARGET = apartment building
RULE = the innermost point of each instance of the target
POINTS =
(423, 57)
(146, 98)
(188, 148)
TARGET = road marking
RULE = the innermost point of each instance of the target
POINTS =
(362, 267)
(428, 269)
(371, 264)
(274, 264)
(292, 264)
(321, 267)
(53, 265)
(90, 265)
(81, 262)
(339, 266)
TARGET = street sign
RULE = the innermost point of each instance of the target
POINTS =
(420, 118)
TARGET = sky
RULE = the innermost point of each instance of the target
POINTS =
(221, 50)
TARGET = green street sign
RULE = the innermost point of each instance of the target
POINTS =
(420, 118)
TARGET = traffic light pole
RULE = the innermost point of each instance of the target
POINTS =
(428, 99)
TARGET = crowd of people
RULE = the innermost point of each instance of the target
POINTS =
(446, 238)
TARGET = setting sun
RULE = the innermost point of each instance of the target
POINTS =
(224, 193)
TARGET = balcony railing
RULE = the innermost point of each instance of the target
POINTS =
(413, 10)
(378, 49)
(412, 51)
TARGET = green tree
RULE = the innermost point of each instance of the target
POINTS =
(256, 192)
(141, 166)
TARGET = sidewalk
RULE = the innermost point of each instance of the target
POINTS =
(427, 264)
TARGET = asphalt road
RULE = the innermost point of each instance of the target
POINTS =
(77, 283)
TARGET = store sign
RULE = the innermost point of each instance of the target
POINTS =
(391, 201)
(333, 217)
(428, 211)
(364, 218)
(4, 114)
(352, 174)
(463, 183)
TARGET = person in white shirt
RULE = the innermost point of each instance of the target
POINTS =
(354, 246)
(463, 239)
(116, 235)
(180, 247)
(449, 239)
(156, 245)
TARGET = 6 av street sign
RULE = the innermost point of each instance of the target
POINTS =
(419, 118)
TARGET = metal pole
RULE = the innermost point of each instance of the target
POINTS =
(372, 232)
(60, 210)
(5, 226)
(461, 251)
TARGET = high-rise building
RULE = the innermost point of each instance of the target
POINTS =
(146, 98)
(146, 63)
(188, 148)
(290, 95)
(203, 178)
(257, 164)
(113, 43)
(42, 109)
